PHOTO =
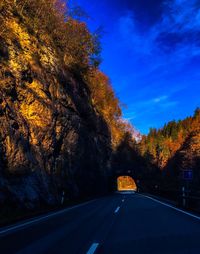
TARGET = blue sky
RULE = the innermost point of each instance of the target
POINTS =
(151, 52)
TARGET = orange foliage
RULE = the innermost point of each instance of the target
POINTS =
(161, 145)
(51, 21)
(76, 49)
(108, 105)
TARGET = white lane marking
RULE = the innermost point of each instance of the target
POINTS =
(93, 248)
(117, 209)
(122, 200)
(32, 221)
(177, 209)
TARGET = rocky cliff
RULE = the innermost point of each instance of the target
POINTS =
(51, 137)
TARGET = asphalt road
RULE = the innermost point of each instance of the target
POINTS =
(115, 224)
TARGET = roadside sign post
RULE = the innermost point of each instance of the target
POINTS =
(183, 196)
(63, 198)
(138, 182)
(187, 177)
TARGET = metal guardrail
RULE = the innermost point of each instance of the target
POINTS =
(186, 200)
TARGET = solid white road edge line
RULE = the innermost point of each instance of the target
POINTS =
(32, 221)
(93, 248)
(173, 207)
(117, 209)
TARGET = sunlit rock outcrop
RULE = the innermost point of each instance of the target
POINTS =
(51, 138)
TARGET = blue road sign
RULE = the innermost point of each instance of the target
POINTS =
(188, 174)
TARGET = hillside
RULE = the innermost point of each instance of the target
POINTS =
(174, 148)
(187, 157)
(162, 144)
(59, 116)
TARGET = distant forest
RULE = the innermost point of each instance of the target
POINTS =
(173, 149)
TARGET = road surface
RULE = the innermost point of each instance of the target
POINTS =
(117, 224)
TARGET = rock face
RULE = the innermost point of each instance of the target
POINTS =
(51, 138)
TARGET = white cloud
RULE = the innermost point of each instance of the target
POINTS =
(153, 105)
(175, 35)
(160, 99)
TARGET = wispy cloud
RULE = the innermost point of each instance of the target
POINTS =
(160, 99)
(161, 54)
(176, 34)
(153, 105)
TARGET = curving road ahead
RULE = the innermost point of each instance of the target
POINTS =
(117, 224)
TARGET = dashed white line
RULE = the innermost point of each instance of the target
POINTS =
(122, 200)
(177, 209)
(93, 248)
(117, 209)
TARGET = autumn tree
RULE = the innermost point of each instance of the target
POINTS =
(108, 105)
(162, 144)
(52, 22)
